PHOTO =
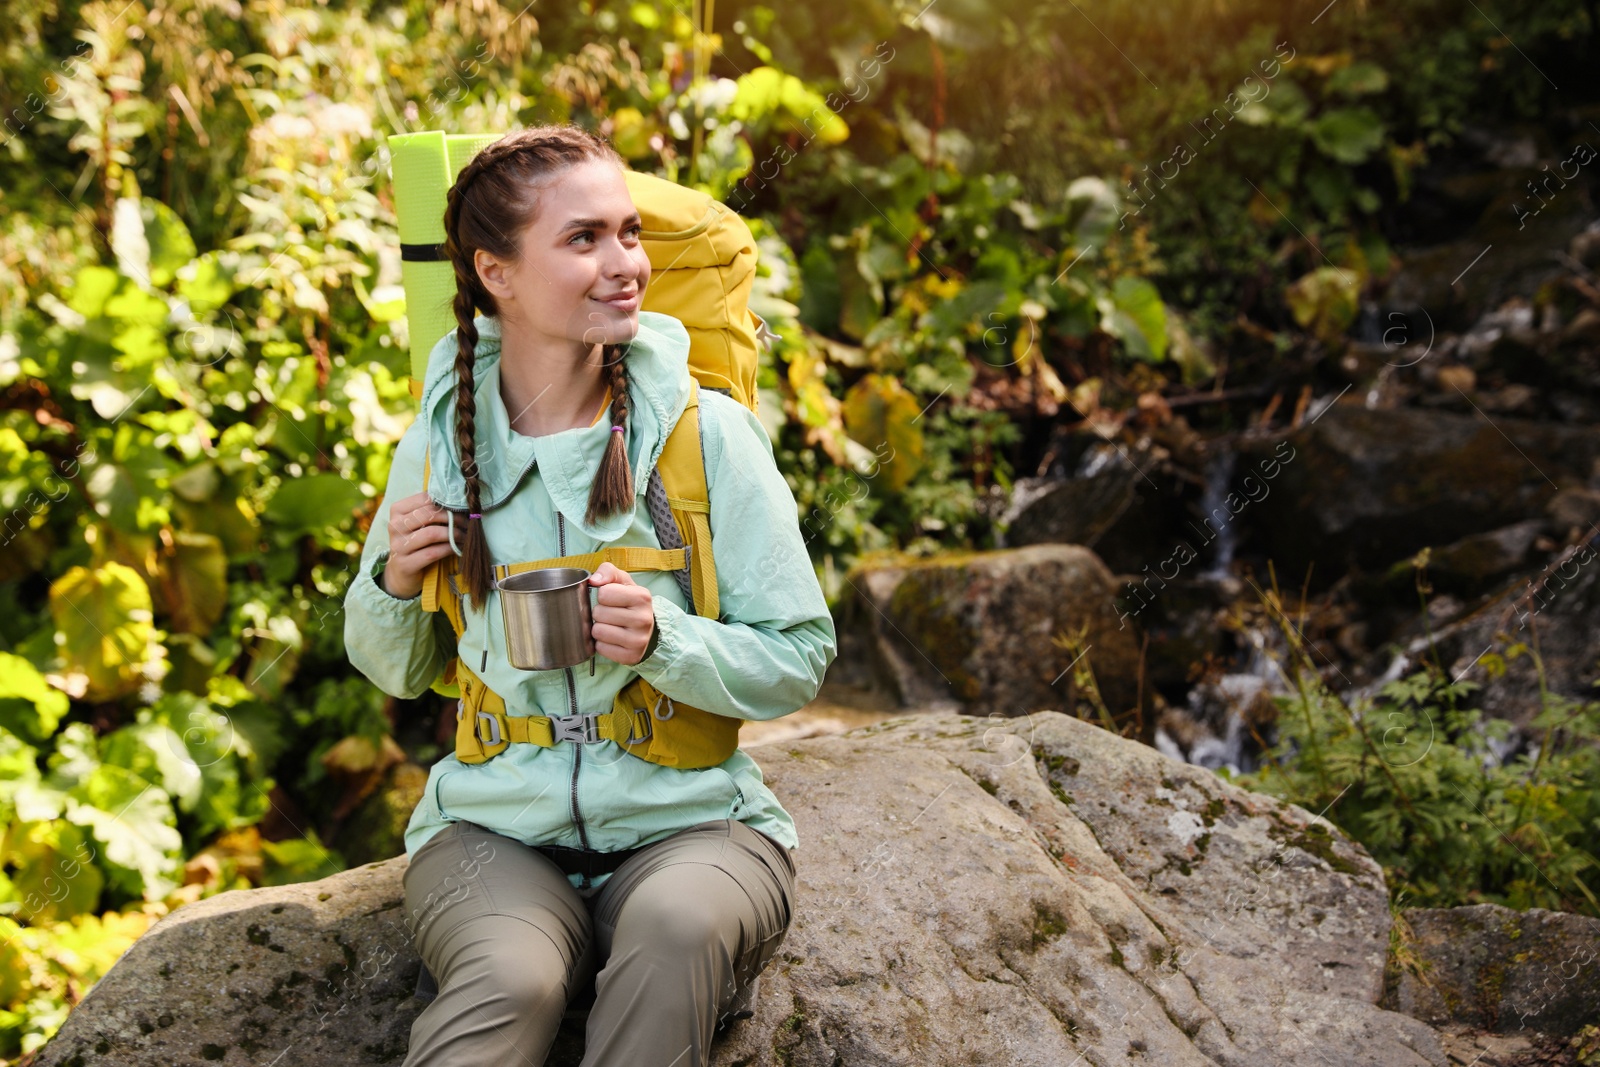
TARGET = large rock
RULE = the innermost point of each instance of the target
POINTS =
(1028, 890)
(1366, 488)
(316, 973)
(1503, 970)
(989, 632)
(1124, 506)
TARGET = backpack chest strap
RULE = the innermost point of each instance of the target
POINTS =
(627, 557)
(484, 729)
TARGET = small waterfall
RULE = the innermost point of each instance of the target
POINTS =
(1215, 518)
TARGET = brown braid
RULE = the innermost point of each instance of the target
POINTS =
(613, 485)
(491, 204)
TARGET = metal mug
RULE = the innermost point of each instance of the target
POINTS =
(548, 618)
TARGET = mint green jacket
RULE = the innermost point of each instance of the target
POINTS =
(764, 659)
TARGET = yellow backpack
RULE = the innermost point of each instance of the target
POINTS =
(703, 265)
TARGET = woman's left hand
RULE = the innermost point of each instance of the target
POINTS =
(624, 618)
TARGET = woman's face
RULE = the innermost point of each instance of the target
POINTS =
(582, 273)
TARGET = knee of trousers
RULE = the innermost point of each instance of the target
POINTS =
(689, 909)
(513, 961)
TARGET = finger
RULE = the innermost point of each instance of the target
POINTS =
(622, 596)
(419, 561)
(634, 622)
(617, 635)
(421, 503)
(423, 529)
(609, 573)
(424, 538)
(619, 653)
(439, 551)
(638, 617)
(410, 522)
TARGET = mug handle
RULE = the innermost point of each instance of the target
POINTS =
(589, 637)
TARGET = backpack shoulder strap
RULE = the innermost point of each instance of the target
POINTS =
(683, 475)
(439, 580)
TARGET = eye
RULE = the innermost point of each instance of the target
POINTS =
(582, 233)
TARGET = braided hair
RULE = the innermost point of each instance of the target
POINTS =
(492, 202)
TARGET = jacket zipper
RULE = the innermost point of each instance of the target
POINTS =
(572, 702)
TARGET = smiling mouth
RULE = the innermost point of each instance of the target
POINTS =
(618, 301)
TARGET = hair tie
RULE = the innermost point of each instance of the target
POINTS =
(475, 515)
(616, 429)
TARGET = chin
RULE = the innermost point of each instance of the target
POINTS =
(623, 330)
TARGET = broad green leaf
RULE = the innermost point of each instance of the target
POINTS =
(860, 299)
(881, 414)
(304, 860)
(195, 583)
(19, 770)
(1358, 79)
(56, 876)
(1325, 301)
(970, 311)
(89, 945)
(806, 379)
(103, 624)
(153, 752)
(883, 260)
(75, 757)
(139, 345)
(132, 305)
(91, 288)
(1286, 105)
(19, 762)
(169, 241)
(198, 483)
(134, 821)
(274, 656)
(257, 733)
(219, 745)
(303, 505)
(1348, 134)
(15, 969)
(766, 94)
(1139, 318)
(225, 516)
(631, 132)
(819, 289)
(205, 283)
(29, 706)
(1093, 208)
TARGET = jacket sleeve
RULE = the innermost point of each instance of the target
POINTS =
(768, 654)
(389, 639)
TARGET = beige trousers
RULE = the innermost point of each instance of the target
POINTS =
(670, 940)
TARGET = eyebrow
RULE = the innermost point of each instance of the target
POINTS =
(597, 224)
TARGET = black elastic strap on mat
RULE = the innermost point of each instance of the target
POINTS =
(422, 253)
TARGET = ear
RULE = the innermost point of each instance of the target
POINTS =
(493, 274)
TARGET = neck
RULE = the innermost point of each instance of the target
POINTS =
(549, 384)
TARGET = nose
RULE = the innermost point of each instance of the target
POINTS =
(620, 263)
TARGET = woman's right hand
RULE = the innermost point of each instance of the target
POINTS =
(418, 537)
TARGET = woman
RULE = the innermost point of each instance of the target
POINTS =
(543, 867)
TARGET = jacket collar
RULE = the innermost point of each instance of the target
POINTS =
(658, 387)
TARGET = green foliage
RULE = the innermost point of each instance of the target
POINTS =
(1411, 776)
(203, 344)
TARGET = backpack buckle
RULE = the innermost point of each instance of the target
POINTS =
(641, 715)
(494, 728)
(584, 728)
